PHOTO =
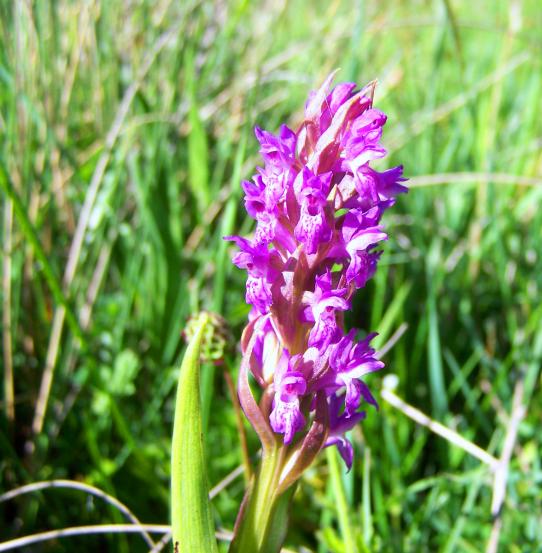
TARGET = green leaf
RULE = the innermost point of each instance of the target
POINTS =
(192, 523)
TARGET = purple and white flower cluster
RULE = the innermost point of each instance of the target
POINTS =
(318, 205)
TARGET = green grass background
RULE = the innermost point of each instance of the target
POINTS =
(144, 110)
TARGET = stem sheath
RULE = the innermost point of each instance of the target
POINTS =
(263, 526)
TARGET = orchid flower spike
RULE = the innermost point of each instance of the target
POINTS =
(317, 203)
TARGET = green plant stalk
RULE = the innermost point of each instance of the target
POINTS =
(264, 516)
(191, 519)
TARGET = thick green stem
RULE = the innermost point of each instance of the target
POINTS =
(263, 526)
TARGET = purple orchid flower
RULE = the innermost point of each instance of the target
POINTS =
(318, 206)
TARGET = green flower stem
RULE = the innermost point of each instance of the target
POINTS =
(264, 522)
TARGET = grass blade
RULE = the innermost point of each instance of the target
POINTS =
(198, 151)
(31, 235)
(367, 516)
(347, 532)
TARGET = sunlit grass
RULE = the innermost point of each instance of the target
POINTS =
(133, 123)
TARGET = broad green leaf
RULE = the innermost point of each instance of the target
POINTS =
(192, 523)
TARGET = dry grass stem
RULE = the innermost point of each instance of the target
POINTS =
(436, 427)
(221, 534)
(469, 178)
(501, 472)
(395, 337)
(83, 531)
(9, 393)
(73, 485)
(226, 481)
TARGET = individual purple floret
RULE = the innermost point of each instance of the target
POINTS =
(321, 307)
(339, 424)
(317, 205)
(286, 417)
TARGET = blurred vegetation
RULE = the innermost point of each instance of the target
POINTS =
(126, 128)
